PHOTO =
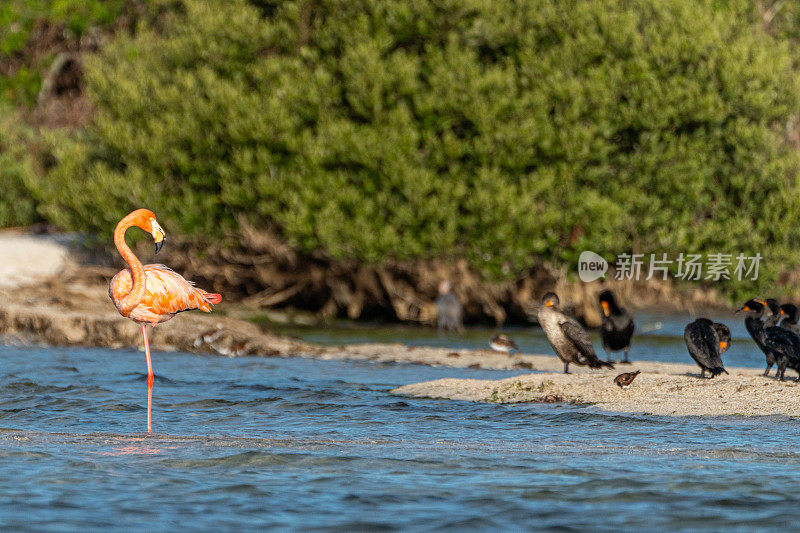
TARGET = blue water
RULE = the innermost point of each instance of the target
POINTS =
(269, 443)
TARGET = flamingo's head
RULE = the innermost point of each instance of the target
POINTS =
(146, 220)
(158, 235)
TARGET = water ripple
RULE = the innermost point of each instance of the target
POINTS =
(248, 443)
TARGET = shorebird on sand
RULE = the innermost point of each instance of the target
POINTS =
(501, 343)
(624, 381)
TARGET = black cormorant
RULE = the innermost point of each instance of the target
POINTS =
(568, 338)
(617, 328)
(755, 309)
(707, 341)
(790, 316)
(775, 313)
(785, 347)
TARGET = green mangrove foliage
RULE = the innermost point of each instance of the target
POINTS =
(17, 206)
(500, 132)
(26, 45)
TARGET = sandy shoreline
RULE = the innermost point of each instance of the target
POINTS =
(662, 389)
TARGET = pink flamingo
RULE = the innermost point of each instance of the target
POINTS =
(151, 294)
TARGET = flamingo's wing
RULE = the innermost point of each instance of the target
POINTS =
(120, 286)
(169, 293)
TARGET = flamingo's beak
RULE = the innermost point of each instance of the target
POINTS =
(158, 236)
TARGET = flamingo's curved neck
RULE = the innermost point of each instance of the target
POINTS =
(136, 294)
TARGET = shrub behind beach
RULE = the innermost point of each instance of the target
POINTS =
(497, 132)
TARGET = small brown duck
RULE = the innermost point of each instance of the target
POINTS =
(239, 348)
(210, 336)
(624, 381)
(501, 343)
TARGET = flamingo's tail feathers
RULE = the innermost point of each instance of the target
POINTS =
(213, 298)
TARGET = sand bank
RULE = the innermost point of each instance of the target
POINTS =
(661, 389)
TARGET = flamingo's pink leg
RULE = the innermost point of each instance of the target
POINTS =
(150, 378)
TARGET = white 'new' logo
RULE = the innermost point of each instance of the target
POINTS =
(591, 266)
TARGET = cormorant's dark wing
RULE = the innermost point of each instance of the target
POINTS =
(630, 325)
(622, 321)
(578, 336)
(783, 341)
(703, 347)
(616, 331)
(580, 339)
(625, 326)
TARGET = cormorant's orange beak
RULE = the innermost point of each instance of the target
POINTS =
(604, 305)
(723, 346)
(158, 235)
(782, 312)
